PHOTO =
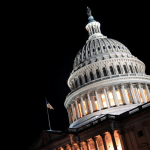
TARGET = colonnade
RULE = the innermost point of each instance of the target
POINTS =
(103, 141)
(112, 96)
(112, 69)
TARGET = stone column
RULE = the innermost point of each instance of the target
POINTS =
(82, 78)
(69, 116)
(103, 139)
(133, 139)
(124, 94)
(108, 71)
(101, 71)
(138, 68)
(73, 85)
(90, 105)
(137, 93)
(88, 77)
(134, 71)
(76, 103)
(94, 139)
(93, 102)
(122, 69)
(115, 69)
(107, 101)
(113, 139)
(128, 140)
(128, 69)
(74, 118)
(133, 94)
(99, 101)
(78, 82)
(146, 132)
(122, 140)
(142, 93)
(94, 74)
(115, 95)
(147, 91)
(82, 106)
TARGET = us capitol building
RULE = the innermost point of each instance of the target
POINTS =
(109, 103)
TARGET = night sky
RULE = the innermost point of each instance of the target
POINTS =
(42, 40)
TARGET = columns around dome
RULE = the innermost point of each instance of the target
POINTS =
(108, 97)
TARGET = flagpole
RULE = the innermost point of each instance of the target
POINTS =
(48, 116)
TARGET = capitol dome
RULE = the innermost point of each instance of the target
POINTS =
(106, 79)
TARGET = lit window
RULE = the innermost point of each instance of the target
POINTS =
(127, 94)
(95, 101)
(112, 102)
(80, 111)
(118, 68)
(140, 95)
(111, 70)
(85, 107)
(103, 100)
(146, 95)
(119, 97)
(125, 69)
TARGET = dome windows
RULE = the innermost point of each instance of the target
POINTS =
(91, 76)
(111, 70)
(125, 69)
(118, 68)
(104, 72)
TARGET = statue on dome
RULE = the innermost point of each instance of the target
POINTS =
(89, 12)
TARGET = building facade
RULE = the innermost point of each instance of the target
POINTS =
(109, 103)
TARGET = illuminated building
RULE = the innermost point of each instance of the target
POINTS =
(108, 106)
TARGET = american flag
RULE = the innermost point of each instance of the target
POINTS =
(48, 105)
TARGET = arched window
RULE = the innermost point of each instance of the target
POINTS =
(104, 71)
(80, 80)
(91, 75)
(97, 73)
(85, 77)
(111, 70)
(118, 68)
(125, 69)
(131, 69)
(76, 84)
(136, 69)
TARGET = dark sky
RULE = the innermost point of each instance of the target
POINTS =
(42, 42)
